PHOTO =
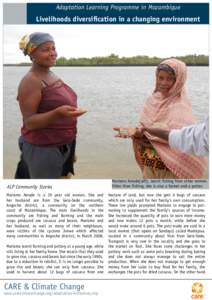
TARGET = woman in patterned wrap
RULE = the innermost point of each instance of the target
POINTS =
(168, 107)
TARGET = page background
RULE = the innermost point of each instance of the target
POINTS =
(161, 289)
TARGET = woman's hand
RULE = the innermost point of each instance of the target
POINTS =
(128, 132)
(69, 111)
(134, 133)
(123, 132)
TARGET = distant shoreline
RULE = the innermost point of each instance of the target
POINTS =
(114, 60)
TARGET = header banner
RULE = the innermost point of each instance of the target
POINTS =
(118, 13)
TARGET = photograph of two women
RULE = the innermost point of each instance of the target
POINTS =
(106, 102)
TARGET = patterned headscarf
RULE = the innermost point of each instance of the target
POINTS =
(173, 111)
(29, 43)
(166, 68)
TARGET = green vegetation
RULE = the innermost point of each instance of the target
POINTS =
(115, 60)
(133, 61)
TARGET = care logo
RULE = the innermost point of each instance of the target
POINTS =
(197, 289)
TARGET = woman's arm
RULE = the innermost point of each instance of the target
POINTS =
(158, 132)
(29, 96)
